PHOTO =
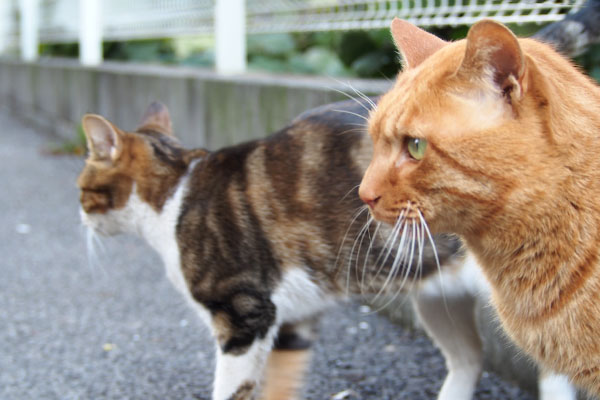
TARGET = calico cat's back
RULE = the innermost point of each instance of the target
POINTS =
(289, 200)
(284, 201)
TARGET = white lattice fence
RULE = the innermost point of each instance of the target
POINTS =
(126, 20)
(319, 15)
(9, 31)
(157, 18)
(137, 19)
(60, 21)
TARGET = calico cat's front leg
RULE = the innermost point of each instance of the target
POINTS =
(244, 325)
(239, 373)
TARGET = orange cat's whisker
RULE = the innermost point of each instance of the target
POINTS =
(357, 214)
(363, 96)
(353, 113)
(369, 101)
(403, 258)
(400, 254)
(350, 191)
(435, 255)
(421, 242)
(387, 247)
(371, 240)
(359, 239)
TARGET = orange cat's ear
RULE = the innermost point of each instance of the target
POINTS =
(413, 43)
(493, 48)
(157, 118)
(103, 140)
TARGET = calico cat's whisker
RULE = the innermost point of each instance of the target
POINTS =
(353, 113)
(93, 242)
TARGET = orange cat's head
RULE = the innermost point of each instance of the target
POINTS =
(126, 166)
(476, 131)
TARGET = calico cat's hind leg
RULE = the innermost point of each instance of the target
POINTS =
(445, 304)
(451, 325)
(289, 362)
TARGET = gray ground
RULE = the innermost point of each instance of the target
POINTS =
(116, 329)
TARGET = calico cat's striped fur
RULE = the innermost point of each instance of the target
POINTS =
(257, 236)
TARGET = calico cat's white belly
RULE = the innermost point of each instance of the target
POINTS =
(297, 297)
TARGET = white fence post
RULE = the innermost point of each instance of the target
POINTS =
(230, 36)
(5, 25)
(90, 32)
(29, 29)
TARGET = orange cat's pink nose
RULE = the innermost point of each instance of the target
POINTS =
(370, 200)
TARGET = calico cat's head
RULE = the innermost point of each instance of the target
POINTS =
(127, 169)
(467, 129)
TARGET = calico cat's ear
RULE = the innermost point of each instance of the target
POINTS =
(413, 43)
(103, 140)
(157, 118)
(492, 47)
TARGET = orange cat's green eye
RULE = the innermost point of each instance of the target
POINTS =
(416, 148)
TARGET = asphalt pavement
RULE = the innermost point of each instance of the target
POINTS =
(112, 327)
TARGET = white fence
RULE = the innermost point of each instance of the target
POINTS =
(27, 22)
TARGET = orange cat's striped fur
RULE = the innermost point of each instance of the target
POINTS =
(511, 162)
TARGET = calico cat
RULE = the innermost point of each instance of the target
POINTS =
(255, 236)
(496, 139)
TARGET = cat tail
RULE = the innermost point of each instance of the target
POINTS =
(285, 373)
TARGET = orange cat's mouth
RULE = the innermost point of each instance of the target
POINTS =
(392, 215)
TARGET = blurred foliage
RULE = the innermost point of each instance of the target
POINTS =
(60, 50)
(152, 50)
(353, 53)
(365, 54)
(75, 146)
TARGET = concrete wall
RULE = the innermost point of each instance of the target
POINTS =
(207, 109)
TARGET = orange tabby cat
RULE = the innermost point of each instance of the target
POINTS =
(498, 139)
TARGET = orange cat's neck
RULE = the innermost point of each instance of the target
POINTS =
(538, 266)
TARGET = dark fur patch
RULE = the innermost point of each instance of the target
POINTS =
(244, 392)
(291, 341)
